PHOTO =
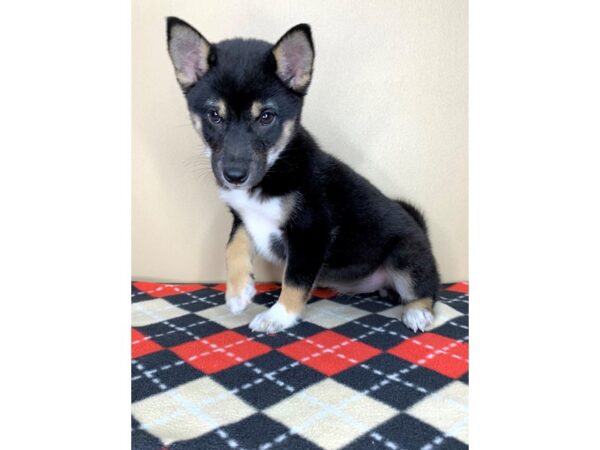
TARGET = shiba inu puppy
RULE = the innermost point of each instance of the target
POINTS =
(292, 203)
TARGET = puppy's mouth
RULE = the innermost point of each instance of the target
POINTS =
(234, 186)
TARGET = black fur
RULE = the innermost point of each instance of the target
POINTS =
(347, 221)
(343, 228)
(414, 212)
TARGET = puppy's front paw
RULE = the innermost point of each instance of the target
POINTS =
(417, 319)
(275, 319)
(239, 301)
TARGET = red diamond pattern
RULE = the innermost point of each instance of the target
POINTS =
(141, 345)
(323, 293)
(245, 368)
(329, 352)
(462, 287)
(442, 354)
(163, 290)
(220, 351)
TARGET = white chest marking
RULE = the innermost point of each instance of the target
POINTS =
(262, 219)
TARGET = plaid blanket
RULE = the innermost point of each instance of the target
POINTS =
(349, 376)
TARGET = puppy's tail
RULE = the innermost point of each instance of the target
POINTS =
(415, 213)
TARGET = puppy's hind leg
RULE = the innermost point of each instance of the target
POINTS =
(417, 298)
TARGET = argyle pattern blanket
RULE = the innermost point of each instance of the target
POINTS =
(349, 376)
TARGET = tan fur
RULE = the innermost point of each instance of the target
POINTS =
(286, 134)
(197, 122)
(221, 108)
(256, 109)
(421, 303)
(239, 255)
(278, 54)
(293, 298)
(284, 139)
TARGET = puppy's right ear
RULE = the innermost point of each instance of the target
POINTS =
(189, 51)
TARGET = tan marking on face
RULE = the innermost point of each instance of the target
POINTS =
(239, 255)
(282, 142)
(197, 122)
(293, 298)
(256, 109)
(286, 134)
(221, 108)
(421, 303)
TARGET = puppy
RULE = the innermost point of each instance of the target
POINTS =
(291, 202)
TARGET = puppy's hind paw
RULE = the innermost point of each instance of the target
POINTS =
(417, 319)
(273, 320)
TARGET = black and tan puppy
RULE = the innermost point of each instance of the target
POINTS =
(291, 202)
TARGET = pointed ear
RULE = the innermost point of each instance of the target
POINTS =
(189, 51)
(294, 55)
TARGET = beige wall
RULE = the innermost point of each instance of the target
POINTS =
(389, 97)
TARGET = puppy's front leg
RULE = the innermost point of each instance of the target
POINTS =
(305, 258)
(239, 255)
(285, 312)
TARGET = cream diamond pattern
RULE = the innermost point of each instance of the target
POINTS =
(189, 410)
(153, 311)
(330, 414)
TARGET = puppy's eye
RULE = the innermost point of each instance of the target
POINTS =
(266, 118)
(214, 117)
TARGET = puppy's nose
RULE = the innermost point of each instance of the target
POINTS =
(235, 175)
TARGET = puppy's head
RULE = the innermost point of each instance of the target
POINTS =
(244, 96)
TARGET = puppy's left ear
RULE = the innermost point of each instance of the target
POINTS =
(294, 55)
